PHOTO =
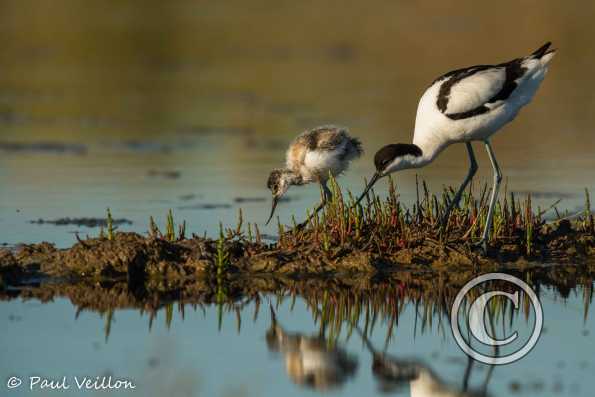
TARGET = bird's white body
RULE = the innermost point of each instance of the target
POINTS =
(435, 130)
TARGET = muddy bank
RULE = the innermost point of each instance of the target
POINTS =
(379, 237)
(138, 258)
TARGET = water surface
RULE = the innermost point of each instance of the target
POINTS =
(194, 350)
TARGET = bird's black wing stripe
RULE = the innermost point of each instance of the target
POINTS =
(513, 69)
(469, 113)
(454, 77)
(463, 72)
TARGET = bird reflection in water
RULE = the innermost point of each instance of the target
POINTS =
(310, 360)
(393, 374)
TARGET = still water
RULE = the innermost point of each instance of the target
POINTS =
(247, 349)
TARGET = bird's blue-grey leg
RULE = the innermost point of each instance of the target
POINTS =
(472, 170)
(493, 198)
(325, 199)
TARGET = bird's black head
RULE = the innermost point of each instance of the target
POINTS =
(386, 155)
(391, 158)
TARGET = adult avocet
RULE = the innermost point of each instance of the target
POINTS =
(462, 106)
(312, 157)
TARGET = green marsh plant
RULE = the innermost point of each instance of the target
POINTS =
(110, 225)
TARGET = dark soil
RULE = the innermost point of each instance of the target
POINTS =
(137, 258)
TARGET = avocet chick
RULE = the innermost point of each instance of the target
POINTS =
(312, 157)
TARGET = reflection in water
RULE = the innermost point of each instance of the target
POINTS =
(393, 373)
(311, 361)
(346, 313)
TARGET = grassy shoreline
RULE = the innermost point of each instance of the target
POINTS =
(377, 237)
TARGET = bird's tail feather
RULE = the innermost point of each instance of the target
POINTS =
(541, 51)
(547, 57)
(544, 54)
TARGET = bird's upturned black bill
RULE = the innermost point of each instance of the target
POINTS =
(374, 179)
(275, 201)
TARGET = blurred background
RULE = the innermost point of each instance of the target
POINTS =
(143, 106)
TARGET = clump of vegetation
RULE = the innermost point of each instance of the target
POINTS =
(222, 257)
(377, 235)
(385, 231)
(153, 228)
(170, 229)
(589, 224)
(110, 225)
(384, 225)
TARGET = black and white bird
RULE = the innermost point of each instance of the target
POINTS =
(462, 106)
(312, 157)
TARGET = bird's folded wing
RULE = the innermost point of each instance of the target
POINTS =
(477, 90)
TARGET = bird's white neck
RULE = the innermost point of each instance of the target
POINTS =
(430, 149)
